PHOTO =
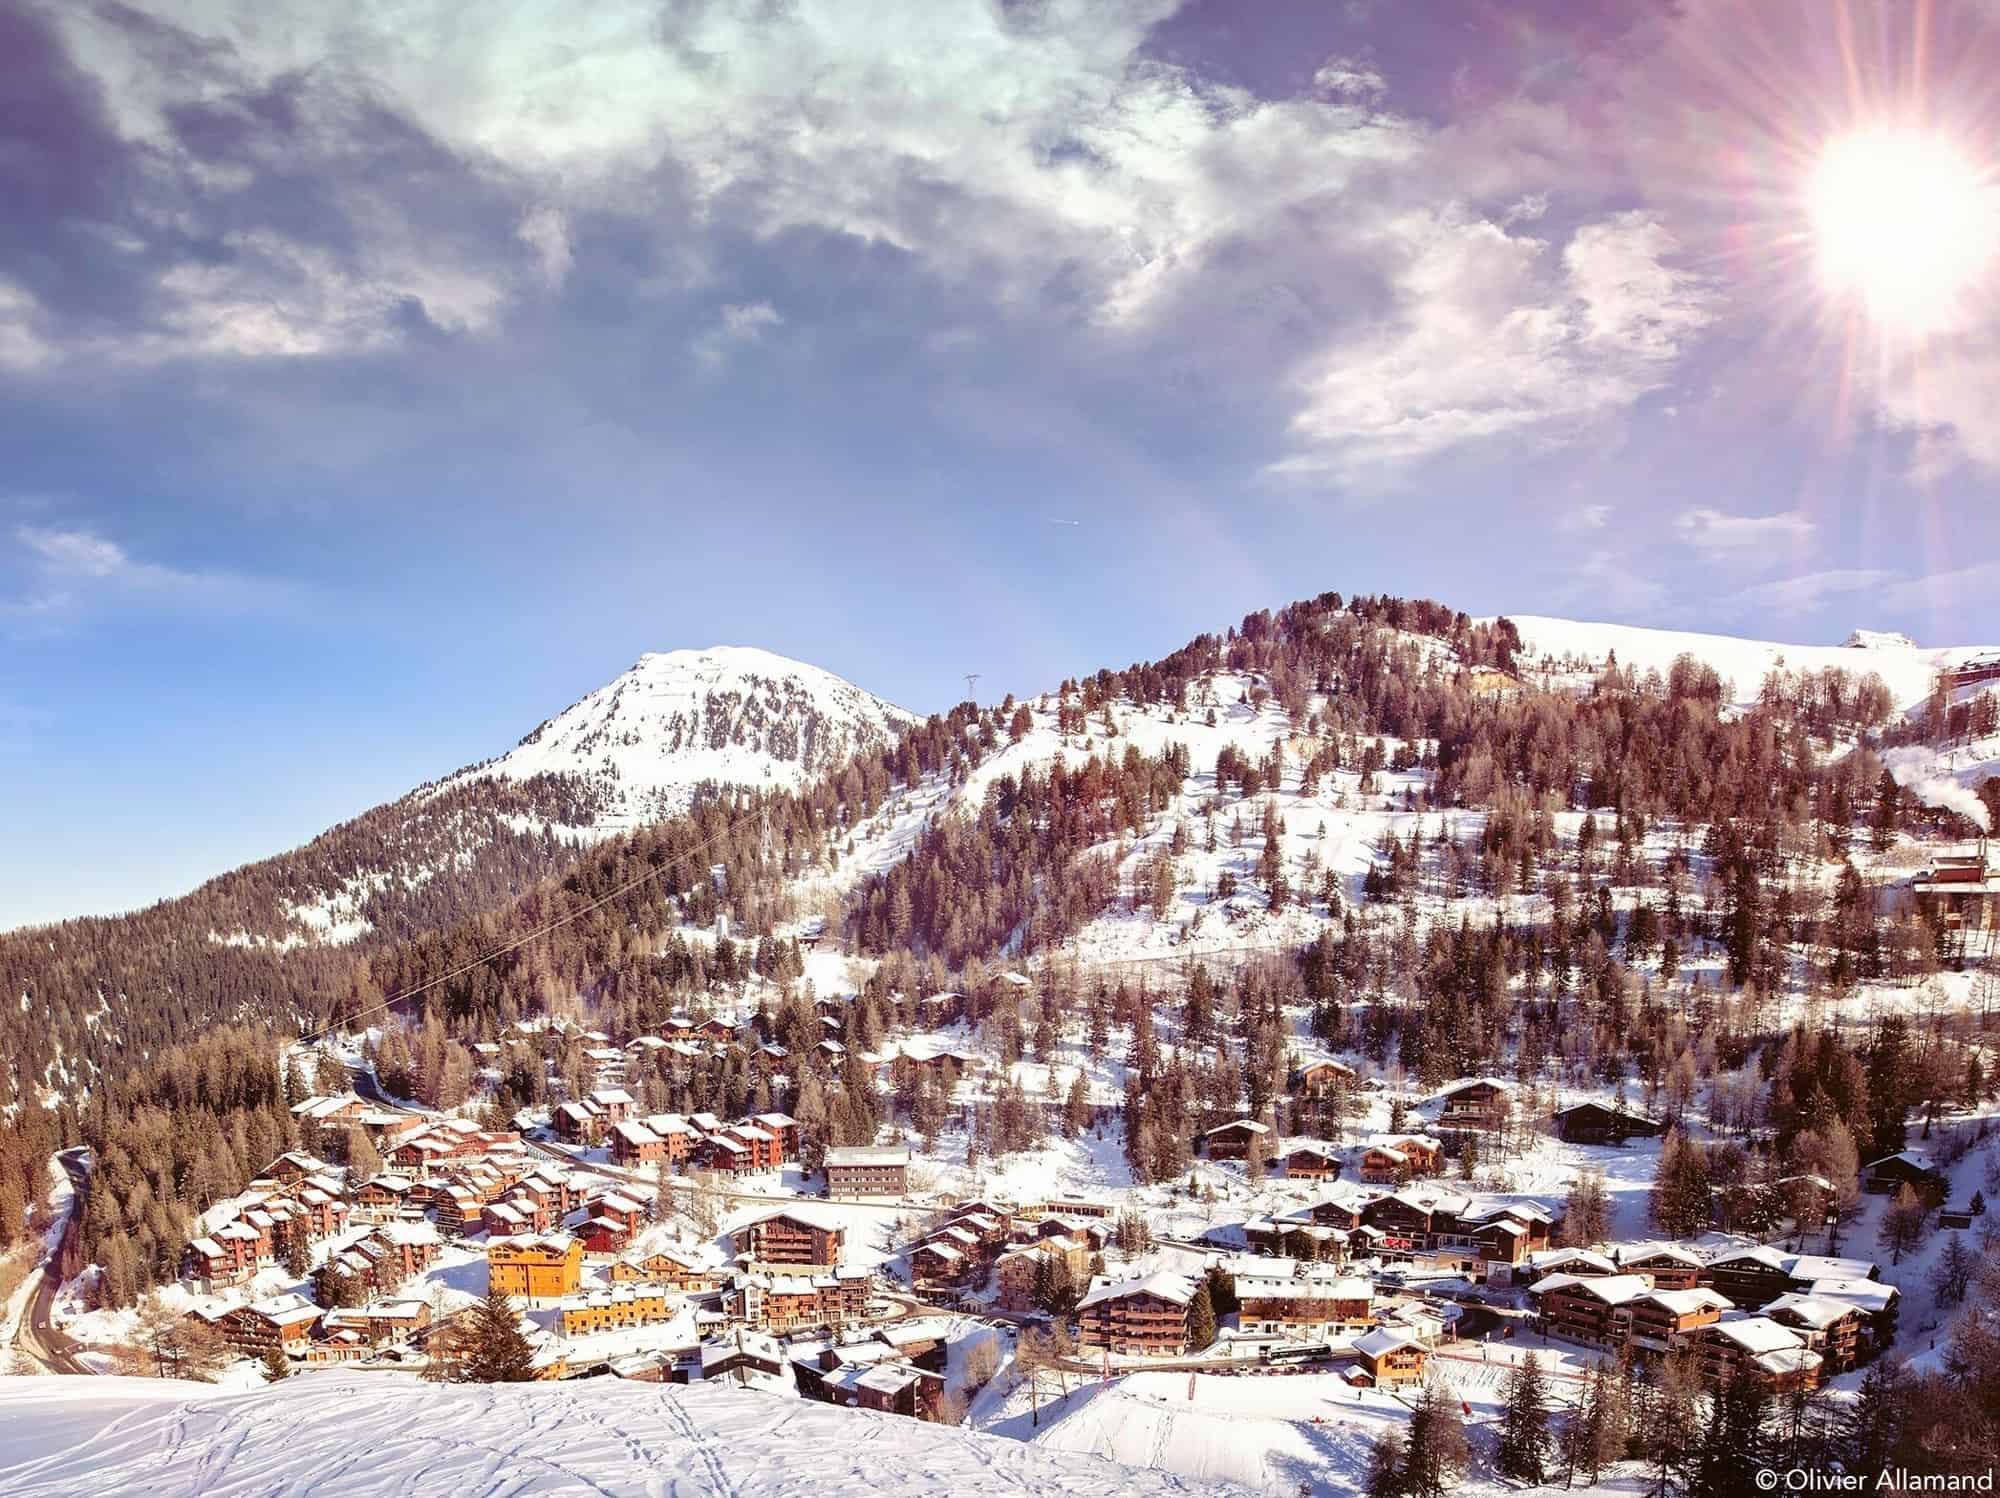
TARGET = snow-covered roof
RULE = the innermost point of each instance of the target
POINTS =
(1757, 1334)
(1867, 1295)
(1168, 1286)
(1816, 1311)
(1612, 1289)
(1912, 1158)
(1687, 1302)
(868, 1154)
(1383, 1340)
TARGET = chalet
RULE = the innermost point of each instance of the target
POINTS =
(1667, 1266)
(213, 1265)
(1888, 1175)
(783, 1128)
(279, 1321)
(922, 1340)
(1390, 1162)
(1879, 1303)
(1579, 1263)
(676, 1269)
(1755, 1347)
(868, 1171)
(1482, 1105)
(939, 1263)
(1391, 1358)
(1141, 1316)
(1657, 1320)
(1309, 1161)
(576, 1123)
(343, 1108)
(538, 1269)
(619, 1307)
(891, 1388)
(295, 1165)
(603, 1236)
(1835, 1329)
(935, 1011)
(393, 1322)
(1017, 1270)
(633, 1145)
(760, 1149)
(1597, 1123)
(1750, 1277)
(1231, 1141)
(790, 1303)
(1318, 1079)
(802, 1237)
(746, 1357)
(383, 1198)
(1586, 1309)
(1303, 1305)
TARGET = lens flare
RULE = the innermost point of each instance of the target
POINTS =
(1902, 223)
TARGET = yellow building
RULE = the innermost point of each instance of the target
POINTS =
(536, 1267)
(624, 1306)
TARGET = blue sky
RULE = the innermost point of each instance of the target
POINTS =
(373, 382)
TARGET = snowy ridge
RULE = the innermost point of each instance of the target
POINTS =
(729, 714)
(381, 1437)
(1908, 670)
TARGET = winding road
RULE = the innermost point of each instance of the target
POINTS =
(37, 1336)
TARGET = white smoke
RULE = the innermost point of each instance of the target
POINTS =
(1911, 768)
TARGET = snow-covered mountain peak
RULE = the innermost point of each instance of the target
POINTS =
(731, 714)
(1879, 639)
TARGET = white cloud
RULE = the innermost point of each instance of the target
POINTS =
(1585, 518)
(1349, 78)
(1961, 588)
(1743, 537)
(738, 324)
(1489, 338)
(1789, 596)
(71, 568)
(1605, 583)
(545, 230)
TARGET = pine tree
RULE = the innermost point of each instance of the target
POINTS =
(1866, 1436)
(497, 1352)
(1587, 1215)
(1524, 1425)
(276, 1364)
(1437, 1452)
(1385, 1465)
(1201, 1320)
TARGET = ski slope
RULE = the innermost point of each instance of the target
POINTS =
(1906, 669)
(383, 1436)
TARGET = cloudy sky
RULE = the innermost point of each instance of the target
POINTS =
(377, 378)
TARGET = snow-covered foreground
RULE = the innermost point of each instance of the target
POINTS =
(371, 1436)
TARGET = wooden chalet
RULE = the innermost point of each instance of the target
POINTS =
(802, 1237)
(1231, 1141)
(1390, 1358)
(1311, 1161)
(1755, 1347)
(1481, 1105)
(1888, 1175)
(1599, 1123)
(1141, 1316)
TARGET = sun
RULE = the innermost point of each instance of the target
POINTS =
(1903, 223)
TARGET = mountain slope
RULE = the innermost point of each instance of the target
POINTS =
(363, 1434)
(260, 937)
(729, 714)
(1906, 669)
